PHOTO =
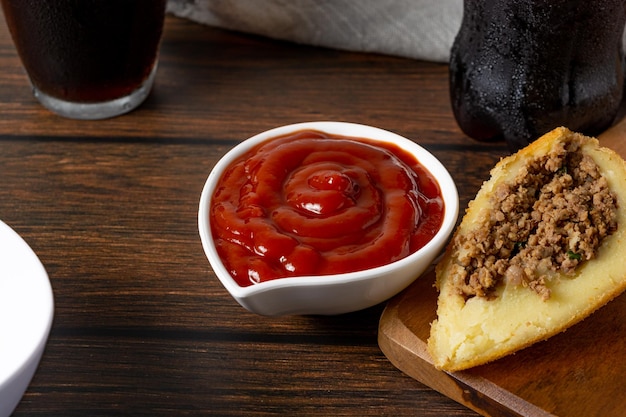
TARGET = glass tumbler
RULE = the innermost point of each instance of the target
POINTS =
(88, 59)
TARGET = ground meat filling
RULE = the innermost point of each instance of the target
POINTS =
(552, 218)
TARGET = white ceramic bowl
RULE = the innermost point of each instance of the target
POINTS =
(340, 293)
(26, 311)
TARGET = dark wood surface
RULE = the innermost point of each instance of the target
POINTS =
(142, 327)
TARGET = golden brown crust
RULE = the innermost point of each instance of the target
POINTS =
(476, 330)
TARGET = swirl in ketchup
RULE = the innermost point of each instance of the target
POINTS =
(312, 203)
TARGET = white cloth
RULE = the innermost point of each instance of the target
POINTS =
(419, 29)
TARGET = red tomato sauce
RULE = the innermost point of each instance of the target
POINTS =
(312, 203)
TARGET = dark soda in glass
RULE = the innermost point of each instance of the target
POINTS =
(86, 51)
(520, 68)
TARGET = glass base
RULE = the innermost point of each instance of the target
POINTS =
(97, 111)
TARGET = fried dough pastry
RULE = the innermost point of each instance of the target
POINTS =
(540, 248)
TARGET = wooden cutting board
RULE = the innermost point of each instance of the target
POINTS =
(579, 373)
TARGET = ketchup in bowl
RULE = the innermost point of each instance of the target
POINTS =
(314, 203)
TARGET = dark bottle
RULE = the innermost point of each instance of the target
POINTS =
(519, 68)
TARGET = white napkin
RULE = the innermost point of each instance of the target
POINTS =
(419, 29)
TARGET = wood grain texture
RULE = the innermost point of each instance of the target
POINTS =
(142, 327)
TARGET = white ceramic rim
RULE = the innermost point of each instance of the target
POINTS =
(432, 164)
(26, 305)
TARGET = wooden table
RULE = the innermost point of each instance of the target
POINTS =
(142, 327)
